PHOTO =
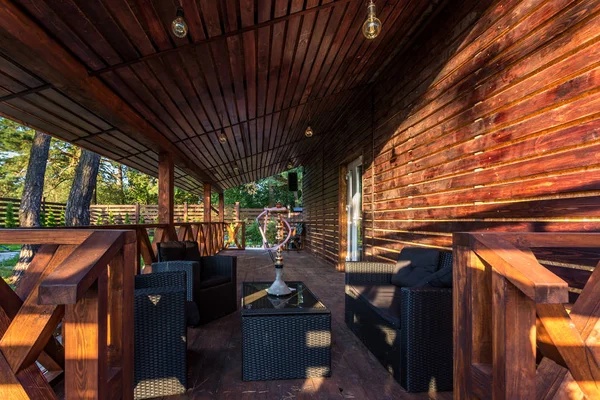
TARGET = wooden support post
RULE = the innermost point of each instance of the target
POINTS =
(513, 341)
(137, 213)
(462, 310)
(236, 215)
(85, 344)
(166, 188)
(207, 219)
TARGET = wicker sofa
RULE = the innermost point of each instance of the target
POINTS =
(408, 329)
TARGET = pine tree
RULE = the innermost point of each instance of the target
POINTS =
(127, 219)
(141, 220)
(42, 218)
(10, 220)
(100, 219)
(51, 219)
(111, 218)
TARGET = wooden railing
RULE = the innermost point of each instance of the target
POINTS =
(515, 336)
(84, 279)
(210, 236)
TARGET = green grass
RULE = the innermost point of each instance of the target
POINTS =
(6, 267)
(10, 247)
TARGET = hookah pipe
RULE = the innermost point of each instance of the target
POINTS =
(279, 287)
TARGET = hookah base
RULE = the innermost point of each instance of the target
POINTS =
(279, 288)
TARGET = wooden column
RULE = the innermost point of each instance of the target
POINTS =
(207, 219)
(166, 188)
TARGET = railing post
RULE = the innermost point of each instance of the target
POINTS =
(236, 211)
(243, 236)
(85, 330)
(514, 341)
(462, 310)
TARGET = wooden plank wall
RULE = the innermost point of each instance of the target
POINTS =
(489, 121)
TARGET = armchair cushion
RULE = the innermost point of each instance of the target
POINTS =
(171, 251)
(383, 299)
(178, 251)
(214, 281)
(439, 279)
(415, 264)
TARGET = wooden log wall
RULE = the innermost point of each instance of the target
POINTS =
(488, 121)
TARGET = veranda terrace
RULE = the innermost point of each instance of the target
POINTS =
(476, 116)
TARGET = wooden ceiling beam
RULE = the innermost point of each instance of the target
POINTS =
(237, 32)
(24, 41)
(24, 93)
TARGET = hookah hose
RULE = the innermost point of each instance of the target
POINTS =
(263, 231)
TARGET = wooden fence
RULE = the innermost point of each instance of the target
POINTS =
(57, 209)
(121, 214)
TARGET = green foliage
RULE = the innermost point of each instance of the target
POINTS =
(265, 192)
(42, 217)
(100, 220)
(141, 220)
(254, 238)
(111, 218)
(10, 220)
(61, 221)
(127, 219)
(51, 219)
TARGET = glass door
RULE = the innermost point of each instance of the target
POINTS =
(354, 210)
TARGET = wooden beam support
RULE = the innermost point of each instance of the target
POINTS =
(221, 207)
(220, 37)
(206, 202)
(26, 43)
(24, 93)
(166, 188)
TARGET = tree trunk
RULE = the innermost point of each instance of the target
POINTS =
(31, 199)
(80, 196)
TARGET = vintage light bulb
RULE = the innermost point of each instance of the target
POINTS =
(290, 165)
(178, 26)
(309, 132)
(372, 25)
(222, 137)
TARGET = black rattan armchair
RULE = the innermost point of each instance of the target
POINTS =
(159, 335)
(408, 329)
(213, 279)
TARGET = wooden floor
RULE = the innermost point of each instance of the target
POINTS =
(215, 349)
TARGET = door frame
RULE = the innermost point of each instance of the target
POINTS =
(342, 213)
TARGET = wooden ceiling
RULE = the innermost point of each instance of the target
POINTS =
(253, 69)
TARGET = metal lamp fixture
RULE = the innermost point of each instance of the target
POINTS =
(222, 137)
(179, 26)
(308, 132)
(372, 25)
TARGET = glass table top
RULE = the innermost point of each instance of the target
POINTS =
(256, 300)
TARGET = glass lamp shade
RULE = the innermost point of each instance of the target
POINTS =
(372, 26)
(178, 26)
(308, 132)
(222, 138)
(290, 165)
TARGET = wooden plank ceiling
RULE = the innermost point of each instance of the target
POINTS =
(253, 69)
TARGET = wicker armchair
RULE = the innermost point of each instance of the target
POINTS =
(409, 330)
(211, 280)
(159, 335)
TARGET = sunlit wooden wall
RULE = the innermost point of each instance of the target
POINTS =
(488, 120)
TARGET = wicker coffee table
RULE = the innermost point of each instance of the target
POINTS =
(284, 337)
